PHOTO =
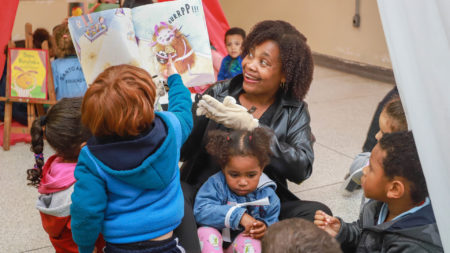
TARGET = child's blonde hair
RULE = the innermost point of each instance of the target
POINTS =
(394, 110)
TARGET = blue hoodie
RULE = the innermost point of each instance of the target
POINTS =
(217, 206)
(130, 190)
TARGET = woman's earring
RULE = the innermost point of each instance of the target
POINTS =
(282, 85)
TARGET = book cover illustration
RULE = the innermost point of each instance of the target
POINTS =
(28, 68)
(145, 36)
(104, 39)
(176, 28)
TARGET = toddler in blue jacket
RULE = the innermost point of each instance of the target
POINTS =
(240, 200)
(232, 63)
(128, 181)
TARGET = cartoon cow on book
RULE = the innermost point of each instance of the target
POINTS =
(168, 40)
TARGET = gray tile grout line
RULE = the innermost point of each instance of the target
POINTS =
(332, 149)
(36, 249)
(330, 184)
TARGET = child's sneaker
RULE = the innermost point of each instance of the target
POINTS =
(353, 178)
(352, 182)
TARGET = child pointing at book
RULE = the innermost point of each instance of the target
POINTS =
(128, 185)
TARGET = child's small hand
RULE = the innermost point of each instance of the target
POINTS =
(330, 224)
(247, 222)
(170, 68)
(258, 229)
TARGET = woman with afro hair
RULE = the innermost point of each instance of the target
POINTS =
(277, 73)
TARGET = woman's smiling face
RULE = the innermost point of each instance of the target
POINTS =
(262, 70)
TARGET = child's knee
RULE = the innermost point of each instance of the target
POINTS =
(210, 239)
(245, 244)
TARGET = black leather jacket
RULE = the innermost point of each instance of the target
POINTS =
(292, 144)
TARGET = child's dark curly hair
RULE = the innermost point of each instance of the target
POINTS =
(63, 130)
(296, 59)
(40, 35)
(223, 145)
(402, 160)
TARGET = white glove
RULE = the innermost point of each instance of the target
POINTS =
(228, 113)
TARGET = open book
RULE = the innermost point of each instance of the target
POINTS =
(145, 36)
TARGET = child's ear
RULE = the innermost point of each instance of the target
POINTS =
(396, 189)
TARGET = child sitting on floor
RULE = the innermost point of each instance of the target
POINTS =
(240, 197)
(128, 181)
(232, 63)
(55, 180)
(392, 119)
(399, 218)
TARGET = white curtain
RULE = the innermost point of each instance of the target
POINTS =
(418, 37)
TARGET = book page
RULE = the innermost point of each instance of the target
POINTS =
(103, 39)
(175, 28)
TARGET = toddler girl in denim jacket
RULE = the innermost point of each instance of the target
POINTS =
(240, 200)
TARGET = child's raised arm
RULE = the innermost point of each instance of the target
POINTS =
(180, 102)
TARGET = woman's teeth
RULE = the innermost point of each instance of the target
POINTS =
(250, 77)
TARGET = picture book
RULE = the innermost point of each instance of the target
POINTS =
(28, 78)
(146, 36)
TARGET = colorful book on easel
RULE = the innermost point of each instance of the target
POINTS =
(28, 73)
(145, 36)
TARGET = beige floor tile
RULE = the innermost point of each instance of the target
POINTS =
(329, 167)
(21, 228)
(342, 125)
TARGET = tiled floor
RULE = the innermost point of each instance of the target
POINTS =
(341, 107)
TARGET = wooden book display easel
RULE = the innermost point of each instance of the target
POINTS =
(32, 104)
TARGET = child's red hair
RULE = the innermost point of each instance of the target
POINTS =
(119, 102)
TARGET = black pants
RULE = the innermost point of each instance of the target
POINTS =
(302, 209)
(165, 246)
(187, 231)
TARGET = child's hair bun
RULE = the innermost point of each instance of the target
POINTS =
(64, 44)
